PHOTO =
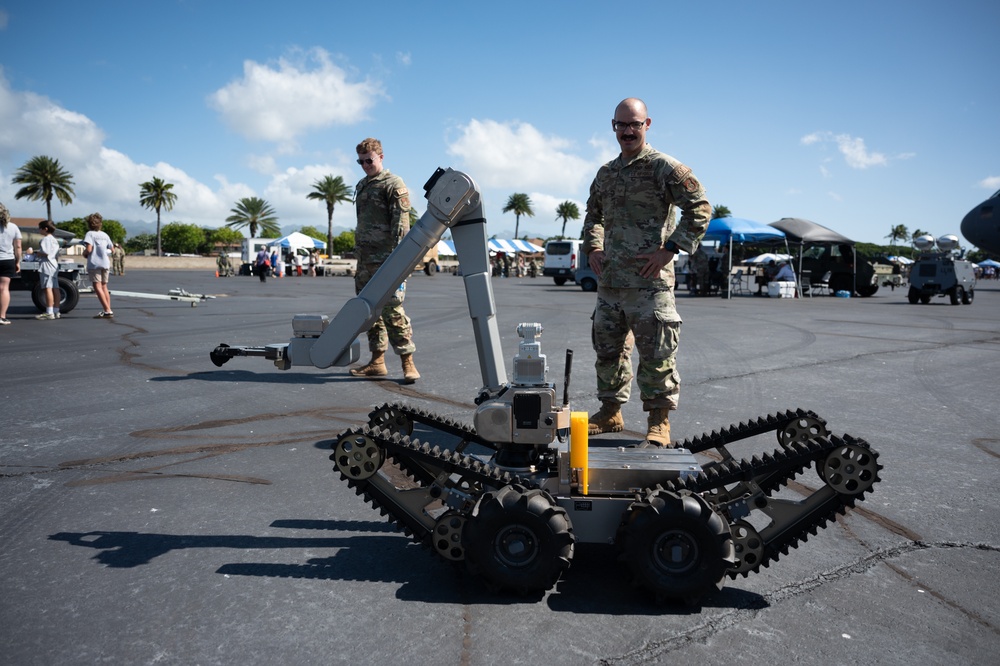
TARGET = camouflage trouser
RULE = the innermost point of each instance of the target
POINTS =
(393, 326)
(647, 319)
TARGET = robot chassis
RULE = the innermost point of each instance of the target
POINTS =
(515, 514)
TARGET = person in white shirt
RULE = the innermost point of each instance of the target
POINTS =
(10, 259)
(98, 254)
(48, 269)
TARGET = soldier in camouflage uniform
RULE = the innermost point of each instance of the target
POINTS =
(383, 207)
(698, 264)
(631, 238)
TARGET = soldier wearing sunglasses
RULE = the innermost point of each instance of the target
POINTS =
(631, 237)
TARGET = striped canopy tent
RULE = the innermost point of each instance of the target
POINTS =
(446, 249)
(513, 246)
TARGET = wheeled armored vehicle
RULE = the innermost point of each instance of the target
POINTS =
(940, 273)
(514, 494)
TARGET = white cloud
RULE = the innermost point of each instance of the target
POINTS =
(517, 155)
(855, 151)
(287, 190)
(303, 92)
(104, 179)
(990, 183)
(404, 59)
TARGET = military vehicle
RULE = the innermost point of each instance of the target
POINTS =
(72, 276)
(521, 489)
(940, 273)
(837, 263)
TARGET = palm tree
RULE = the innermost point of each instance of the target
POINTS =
(520, 204)
(43, 178)
(898, 232)
(567, 210)
(155, 194)
(331, 191)
(721, 211)
(255, 213)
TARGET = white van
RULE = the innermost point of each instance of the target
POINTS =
(562, 258)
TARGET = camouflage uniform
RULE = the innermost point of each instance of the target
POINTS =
(630, 212)
(699, 265)
(118, 260)
(383, 206)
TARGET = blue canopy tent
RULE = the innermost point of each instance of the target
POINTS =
(729, 230)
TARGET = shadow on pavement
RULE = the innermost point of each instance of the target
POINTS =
(594, 584)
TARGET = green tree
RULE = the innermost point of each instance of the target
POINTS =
(230, 239)
(721, 211)
(181, 238)
(343, 243)
(898, 232)
(78, 227)
(313, 232)
(567, 210)
(155, 194)
(43, 178)
(519, 204)
(141, 243)
(254, 213)
(331, 191)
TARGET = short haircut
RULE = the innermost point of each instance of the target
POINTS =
(94, 221)
(370, 145)
(48, 226)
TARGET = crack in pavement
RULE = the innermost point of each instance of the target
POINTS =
(654, 651)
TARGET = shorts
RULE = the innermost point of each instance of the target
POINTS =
(7, 268)
(48, 281)
(98, 275)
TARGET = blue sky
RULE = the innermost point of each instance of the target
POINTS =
(856, 115)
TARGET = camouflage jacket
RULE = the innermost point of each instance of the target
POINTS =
(631, 211)
(383, 207)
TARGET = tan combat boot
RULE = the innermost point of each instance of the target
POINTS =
(658, 431)
(375, 367)
(607, 419)
(410, 374)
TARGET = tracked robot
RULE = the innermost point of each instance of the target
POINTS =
(682, 524)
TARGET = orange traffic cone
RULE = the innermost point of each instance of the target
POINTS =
(216, 273)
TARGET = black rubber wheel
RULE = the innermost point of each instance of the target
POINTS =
(925, 299)
(588, 284)
(967, 296)
(560, 281)
(913, 296)
(518, 539)
(841, 282)
(867, 290)
(677, 547)
(955, 295)
(69, 296)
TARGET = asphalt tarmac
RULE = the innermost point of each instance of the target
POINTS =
(157, 509)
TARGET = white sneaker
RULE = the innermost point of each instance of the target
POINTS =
(45, 315)
(4, 322)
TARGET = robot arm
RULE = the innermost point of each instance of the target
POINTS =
(453, 202)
